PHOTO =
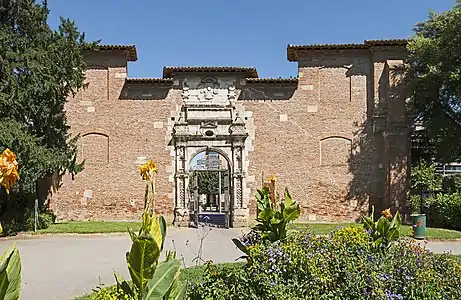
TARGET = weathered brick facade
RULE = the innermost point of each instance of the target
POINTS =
(336, 135)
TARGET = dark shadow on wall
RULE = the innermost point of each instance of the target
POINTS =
(380, 150)
(363, 162)
(143, 92)
(267, 92)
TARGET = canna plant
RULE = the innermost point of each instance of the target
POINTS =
(151, 279)
(273, 217)
(385, 230)
(10, 261)
(10, 274)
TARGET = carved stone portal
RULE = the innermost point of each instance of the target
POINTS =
(209, 121)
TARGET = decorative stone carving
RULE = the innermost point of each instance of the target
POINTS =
(208, 93)
(182, 193)
(238, 192)
(185, 92)
(231, 95)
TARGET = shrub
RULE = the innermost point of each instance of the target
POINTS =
(23, 220)
(444, 211)
(110, 293)
(451, 184)
(339, 266)
(424, 177)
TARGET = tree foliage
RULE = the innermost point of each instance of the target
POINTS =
(434, 78)
(39, 69)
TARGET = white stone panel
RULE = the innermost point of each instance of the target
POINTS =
(307, 87)
(158, 124)
(120, 75)
(312, 108)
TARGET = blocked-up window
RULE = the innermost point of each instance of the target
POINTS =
(335, 85)
(95, 148)
(95, 84)
(335, 151)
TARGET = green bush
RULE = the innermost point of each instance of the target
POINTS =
(424, 177)
(451, 184)
(339, 266)
(23, 220)
(110, 293)
(444, 211)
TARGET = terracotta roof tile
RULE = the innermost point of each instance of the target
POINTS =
(272, 80)
(249, 71)
(292, 50)
(394, 42)
(130, 50)
(149, 80)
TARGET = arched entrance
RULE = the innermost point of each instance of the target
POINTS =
(210, 188)
(209, 122)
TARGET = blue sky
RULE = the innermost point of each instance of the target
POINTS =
(239, 32)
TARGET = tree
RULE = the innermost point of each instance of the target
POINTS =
(39, 69)
(433, 74)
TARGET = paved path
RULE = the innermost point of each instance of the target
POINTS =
(62, 267)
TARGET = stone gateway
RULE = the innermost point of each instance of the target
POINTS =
(336, 135)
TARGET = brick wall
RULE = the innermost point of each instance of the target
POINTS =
(317, 136)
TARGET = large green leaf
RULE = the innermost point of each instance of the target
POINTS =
(162, 223)
(291, 212)
(242, 247)
(393, 234)
(10, 277)
(163, 278)
(383, 226)
(396, 221)
(368, 223)
(123, 285)
(178, 293)
(142, 259)
(155, 231)
(266, 215)
(177, 290)
(288, 199)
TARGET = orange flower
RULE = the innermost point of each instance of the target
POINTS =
(387, 213)
(148, 169)
(8, 169)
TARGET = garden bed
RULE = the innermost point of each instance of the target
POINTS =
(326, 228)
(191, 275)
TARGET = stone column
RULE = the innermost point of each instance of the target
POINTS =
(181, 210)
(239, 214)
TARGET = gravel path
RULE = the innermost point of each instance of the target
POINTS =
(62, 267)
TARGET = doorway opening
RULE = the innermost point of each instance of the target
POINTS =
(210, 189)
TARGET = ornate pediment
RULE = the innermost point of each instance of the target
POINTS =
(208, 92)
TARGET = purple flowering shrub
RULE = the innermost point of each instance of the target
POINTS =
(342, 265)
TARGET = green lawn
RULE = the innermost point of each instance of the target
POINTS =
(86, 227)
(90, 227)
(431, 233)
(192, 274)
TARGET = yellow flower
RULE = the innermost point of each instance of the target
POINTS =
(272, 178)
(148, 169)
(8, 169)
(387, 213)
